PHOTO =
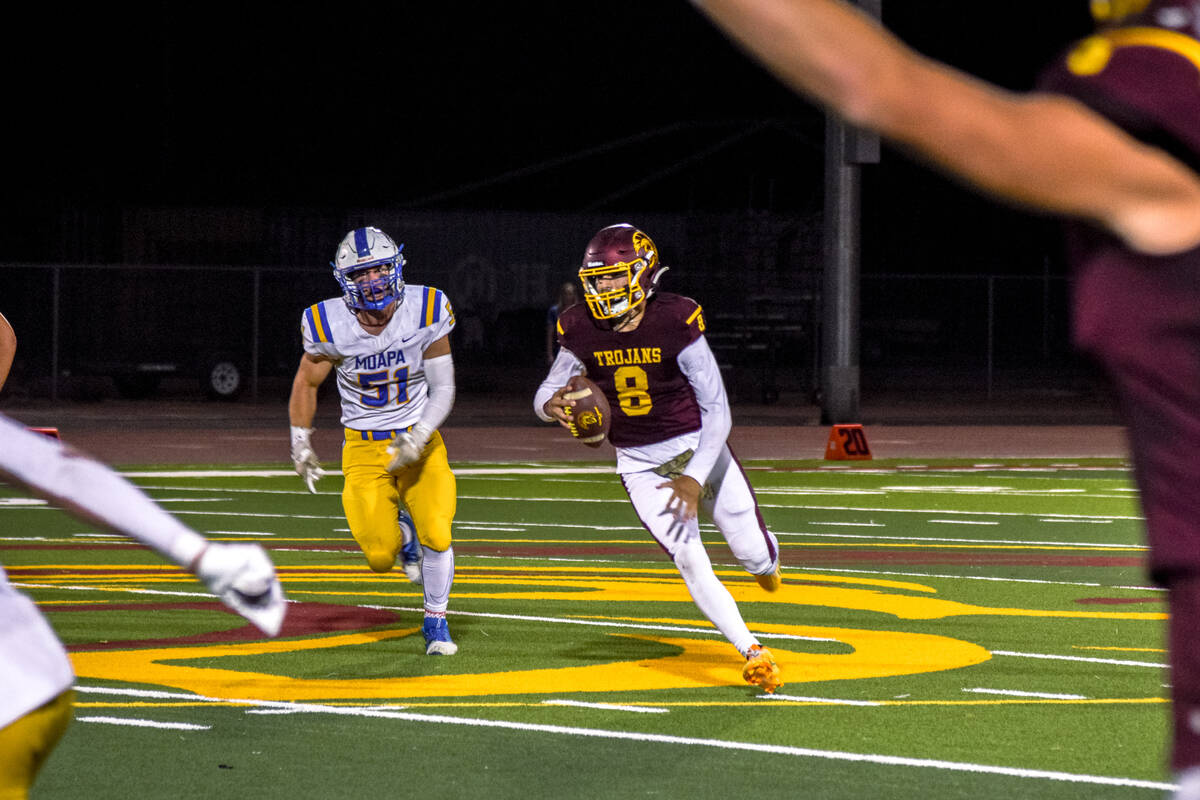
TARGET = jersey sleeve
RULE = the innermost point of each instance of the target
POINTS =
(436, 313)
(317, 332)
(693, 320)
(560, 330)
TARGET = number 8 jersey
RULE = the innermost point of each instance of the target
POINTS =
(381, 379)
(652, 400)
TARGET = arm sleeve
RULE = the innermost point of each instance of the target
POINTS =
(700, 366)
(439, 376)
(565, 365)
(92, 492)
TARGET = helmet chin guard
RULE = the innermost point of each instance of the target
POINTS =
(619, 250)
(365, 249)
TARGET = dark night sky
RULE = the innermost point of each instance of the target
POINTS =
(351, 105)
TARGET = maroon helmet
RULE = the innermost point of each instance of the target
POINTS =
(619, 250)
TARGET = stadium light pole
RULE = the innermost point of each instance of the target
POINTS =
(846, 150)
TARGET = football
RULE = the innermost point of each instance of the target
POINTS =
(590, 417)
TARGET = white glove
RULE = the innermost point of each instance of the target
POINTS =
(305, 458)
(243, 576)
(407, 447)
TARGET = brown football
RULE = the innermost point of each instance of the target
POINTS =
(591, 416)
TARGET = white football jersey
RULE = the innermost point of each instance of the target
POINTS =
(34, 667)
(381, 379)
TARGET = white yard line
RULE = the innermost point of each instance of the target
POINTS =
(683, 741)
(977, 578)
(1029, 542)
(146, 723)
(1038, 695)
(1114, 661)
(936, 511)
(830, 701)
(603, 623)
(287, 473)
(606, 706)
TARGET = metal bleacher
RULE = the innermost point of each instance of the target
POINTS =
(767, 347)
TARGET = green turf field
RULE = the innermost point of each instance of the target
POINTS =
(945, 630)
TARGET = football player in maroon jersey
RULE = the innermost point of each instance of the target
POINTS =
(670, 421)
(1111, 142)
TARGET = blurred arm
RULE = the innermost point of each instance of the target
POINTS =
(240, 574)
(1044, 151)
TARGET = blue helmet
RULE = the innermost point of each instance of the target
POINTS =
(367, 248)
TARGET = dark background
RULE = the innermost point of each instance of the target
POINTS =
(548, 119)
(627, 105)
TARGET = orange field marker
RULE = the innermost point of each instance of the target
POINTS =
(847, 443)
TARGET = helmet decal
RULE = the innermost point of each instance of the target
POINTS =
(360, 243)
(619, 252)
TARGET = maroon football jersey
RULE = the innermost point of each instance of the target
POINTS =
(1137, 313)
(1144, 80)
(651, 398)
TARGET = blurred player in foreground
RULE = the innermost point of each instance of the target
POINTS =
(1111, 142)
(390, 345)
(35, 673)
(670, 421)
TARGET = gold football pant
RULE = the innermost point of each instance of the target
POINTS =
(25, 744)
(372, 495)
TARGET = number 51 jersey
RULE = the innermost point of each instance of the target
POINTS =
(381, 379)
(651, 398)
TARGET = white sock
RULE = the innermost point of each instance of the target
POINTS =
(437, 573)
(711, 596)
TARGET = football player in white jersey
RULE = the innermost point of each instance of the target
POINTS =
(390, 345)
(36, 699)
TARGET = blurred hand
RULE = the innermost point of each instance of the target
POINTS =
(243, 577)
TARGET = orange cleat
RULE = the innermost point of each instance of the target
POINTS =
(761, 669)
